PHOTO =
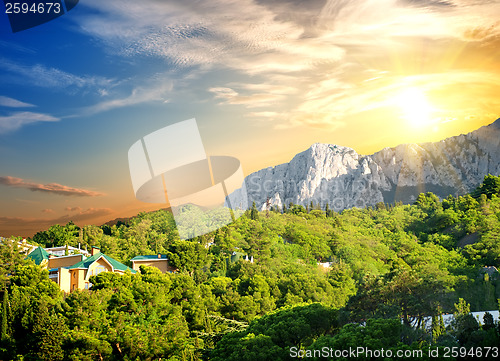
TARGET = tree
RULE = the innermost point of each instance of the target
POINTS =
(428, 202)
(374, 334)
(254, 213)
(10, 258)
(489, 187)
(58, 235)
(5, 316)
(7, 344)
(297, 209)
(488, 322)
(187, 256)
(407, 292)
(41, 238)
(438, 328)
(48, 331)
(271, 336)
(464, 323)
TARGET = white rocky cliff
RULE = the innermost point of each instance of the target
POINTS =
(327, 173)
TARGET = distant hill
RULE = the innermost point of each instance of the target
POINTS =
(127, 219)
(337, 175)
(116, 220)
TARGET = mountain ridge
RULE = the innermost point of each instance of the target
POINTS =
(339, 176)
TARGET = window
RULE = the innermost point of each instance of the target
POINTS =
(99, 269)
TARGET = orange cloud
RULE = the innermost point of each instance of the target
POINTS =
(54, 188)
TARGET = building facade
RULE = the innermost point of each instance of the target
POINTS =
(159, 261)
(72, 272)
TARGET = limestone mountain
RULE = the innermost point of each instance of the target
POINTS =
(337, 175)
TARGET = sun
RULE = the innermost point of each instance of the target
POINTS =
(415, 107)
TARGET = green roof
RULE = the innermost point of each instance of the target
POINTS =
(116, 265)
(148, 257)
(38, 255)
(235, 257)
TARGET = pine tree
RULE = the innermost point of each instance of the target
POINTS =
(437, 327)
(488, 321)
(254, 213)
(5, 316)
(48, 332)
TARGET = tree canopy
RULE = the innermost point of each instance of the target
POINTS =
(372, 277)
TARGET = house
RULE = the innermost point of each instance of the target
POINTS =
(159, 261)
(73, 271)
(57, 268)
(39, 256)
(80, 273)
(325, 264)
(236, 256)
(22, 246)
(66, 250)
(489, 273)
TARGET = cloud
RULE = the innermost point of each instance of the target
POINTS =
(253, 95)
(73, 209)
(47, 210)
(306, 61)
(428, 3)
(230, 96)
(49, 77)
(480, 33)
(89, 213)
(241, 35)
(16, 120)
(322, 107)
(266, 88)
(263, 114)
(52, 188)
(157, 90)
(13, 103)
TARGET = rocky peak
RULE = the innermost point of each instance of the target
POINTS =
(337, 175)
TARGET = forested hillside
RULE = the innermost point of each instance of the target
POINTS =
(383, 269)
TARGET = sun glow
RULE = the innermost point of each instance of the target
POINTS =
(415, 107)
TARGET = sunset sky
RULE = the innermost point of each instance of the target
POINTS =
(264, 79)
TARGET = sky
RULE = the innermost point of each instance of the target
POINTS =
(264, 79)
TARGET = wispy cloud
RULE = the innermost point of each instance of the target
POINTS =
(13, 103)
(157, 90)
(73, 209)
(230, 96)
(49, 77)
(52, 188)
(319, 51)
(16, 120)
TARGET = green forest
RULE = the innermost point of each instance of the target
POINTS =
(392, 270)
